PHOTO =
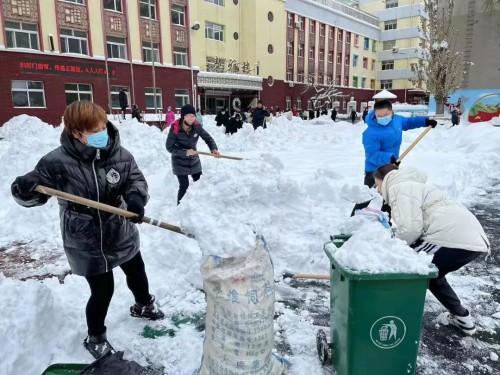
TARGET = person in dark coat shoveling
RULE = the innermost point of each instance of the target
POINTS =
(92, 164)
(181, 143)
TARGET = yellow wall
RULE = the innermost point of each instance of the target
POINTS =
(95, 26)
(135, 30)
(47, 18)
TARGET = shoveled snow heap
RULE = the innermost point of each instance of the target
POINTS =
(372, 250)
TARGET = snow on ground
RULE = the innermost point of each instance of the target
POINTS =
(291, 188)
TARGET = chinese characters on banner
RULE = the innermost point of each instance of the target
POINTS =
(51, 67)
(220, 65)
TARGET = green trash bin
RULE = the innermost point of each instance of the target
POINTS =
(376, 319)
(65, 369)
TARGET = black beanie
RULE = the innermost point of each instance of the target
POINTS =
(188, 109)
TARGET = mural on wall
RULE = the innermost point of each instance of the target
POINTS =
(475, 105)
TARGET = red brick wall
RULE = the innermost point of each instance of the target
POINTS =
(168, 79)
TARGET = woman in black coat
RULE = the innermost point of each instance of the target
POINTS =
(92, 164)
(181, 143)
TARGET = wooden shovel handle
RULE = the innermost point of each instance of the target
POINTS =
(222, 156)
(107, 208)
(307, 276)
(414, 143)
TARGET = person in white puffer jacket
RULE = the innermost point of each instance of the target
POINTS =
(430, 221)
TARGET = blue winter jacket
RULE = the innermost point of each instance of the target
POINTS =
(383, 142)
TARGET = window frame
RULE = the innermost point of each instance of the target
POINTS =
(312, 52)
(347, 59)
(340, 35)
(300, 77)
(216, 2)
(322, 28)
(301, 48)
(312, 27)
(155, 96)
(80, 2)
(355, 81)
(386, 43)
(181, 14)
(365, 62)
(321, 56)
(289, 76)
(391, 4)
(115, 43)
(355, 60)
(78, 91)
(356, 40)
(114, 9)
(288, 103)
(339, 58)
(115, 91)
(79, 38)
(330, 57)
(348, 38)
(28, 90)
(363, 82)
(183, 55)
(14, 31)
(330, 32)
(366, 43)
(298, 103)
(290, 19)
(387, 65)
(151, 6)
(386, 84)
(289, 48)
(153, 50)
(390, 25)
(210, 26)
(184, 94)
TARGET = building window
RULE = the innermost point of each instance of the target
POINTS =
(150, 52)
(214, 31)
(373, 64)
(365, 62)
(356, 40)
(75, 1)
(299, 103)
(312, 27)
(270, 80)
(388, 65)
(74, 41)
(339, 58)
(311, 53)
(391, 4)
(290, 20)
(180, 56)
(344, 104)
(301, 50)
(288, 103)
(147, 8)
(339, 35)
(347, 59)
(289, 76)
(386, 84)
(330, 57)
(346, 81)
(321, 80)
(321, 54)
(115, 5)
(372, 84)
(348, 38)
(300, 77)
(391, 25)
(321, 30)
(367, 44)
(374, 46)
(354, 60)
(337, 81)
(77, 91)
(21, 35)
(150, 98)
(116, 47)
(181, 98)
(355, 81)
(301, 23)
(289, 48)
(115, 93)
(330, 32)
(216, 2)
(363, 82)
(270, 16)
(178, 15)
(28, 94)
(310, 106)
(388, 45)
(270, 49)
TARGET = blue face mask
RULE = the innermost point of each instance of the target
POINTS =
(98, 140)
(384, 121)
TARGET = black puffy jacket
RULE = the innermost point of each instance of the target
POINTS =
(179, 141)
(94, 241)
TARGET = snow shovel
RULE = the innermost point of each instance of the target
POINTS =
(365, 204)
(305, 276)
(222, 156)
(104, 207)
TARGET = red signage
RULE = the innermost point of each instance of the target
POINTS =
(51, 67)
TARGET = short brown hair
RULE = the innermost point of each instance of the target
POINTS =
(384, 171)
(82, 115)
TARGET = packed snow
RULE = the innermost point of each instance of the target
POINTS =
(292, 188)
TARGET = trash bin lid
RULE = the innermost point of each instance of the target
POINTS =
(360, 275)
(65, 369)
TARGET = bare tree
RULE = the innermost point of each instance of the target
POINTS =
(489, 5)
(441, 65)
(324, 94)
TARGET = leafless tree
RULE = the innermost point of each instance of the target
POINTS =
(489, 5)
(324, 94)
(442, 65)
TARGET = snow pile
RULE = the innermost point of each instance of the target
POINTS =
(372, 250)
(495, 121)
(358, 193)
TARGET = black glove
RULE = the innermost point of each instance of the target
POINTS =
(25, 185)
(429, 122)
(135, 204)
(395, 161)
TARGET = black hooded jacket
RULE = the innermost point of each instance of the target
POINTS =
(94, 241)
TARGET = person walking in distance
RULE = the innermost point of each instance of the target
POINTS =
(334, 114)
(354, 116)
(259, 116)
(181, 143)
(91, 163)
(123, 100)
(169, 117)
(365, 113)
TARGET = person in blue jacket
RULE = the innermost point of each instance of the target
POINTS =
(382, 139)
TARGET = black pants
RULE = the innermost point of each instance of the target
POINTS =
(448, 260)
(102, 287)
(184, 184)
(124, 110)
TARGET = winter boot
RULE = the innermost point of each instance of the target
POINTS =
(98, 346)
(148, 311)
(464, 323)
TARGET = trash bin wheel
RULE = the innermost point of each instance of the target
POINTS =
(322, 346)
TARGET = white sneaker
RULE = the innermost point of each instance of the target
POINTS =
(464, 323)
